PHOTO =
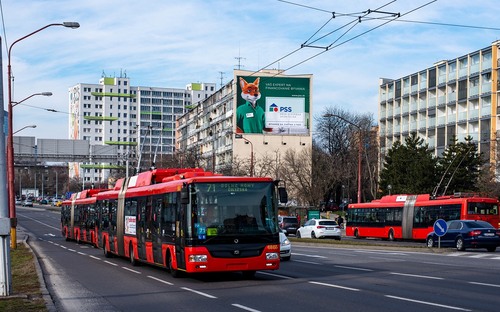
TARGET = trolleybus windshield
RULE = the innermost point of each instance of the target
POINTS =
(233, 208)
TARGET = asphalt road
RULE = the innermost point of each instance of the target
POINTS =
(319, 277)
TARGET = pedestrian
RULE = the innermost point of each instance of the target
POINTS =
(341, 222)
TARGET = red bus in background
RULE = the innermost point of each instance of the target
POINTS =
(79, 216)
(190, 220)
(413, 216)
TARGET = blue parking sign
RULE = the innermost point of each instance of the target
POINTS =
(440, 227)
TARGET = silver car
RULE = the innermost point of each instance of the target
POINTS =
(320, 228)
(285, 247)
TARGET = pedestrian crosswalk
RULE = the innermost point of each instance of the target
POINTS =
(476, 255)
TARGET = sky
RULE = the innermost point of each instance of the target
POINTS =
(169, 43)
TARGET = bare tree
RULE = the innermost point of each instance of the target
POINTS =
(342, 135)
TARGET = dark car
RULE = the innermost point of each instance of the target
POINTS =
(289, 225)
(464, 234)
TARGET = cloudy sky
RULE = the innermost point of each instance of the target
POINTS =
(169, 43)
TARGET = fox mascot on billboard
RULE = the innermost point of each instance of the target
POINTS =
(250, 117)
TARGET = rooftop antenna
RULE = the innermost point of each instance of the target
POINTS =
(221, 77)
(239, 58)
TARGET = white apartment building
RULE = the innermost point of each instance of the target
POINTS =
(456, 97)
(214, 129)
(138, 120)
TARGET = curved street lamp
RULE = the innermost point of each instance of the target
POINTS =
(10, 142)
(29, 97)
(30, 126)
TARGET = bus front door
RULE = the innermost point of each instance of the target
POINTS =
(180, 237)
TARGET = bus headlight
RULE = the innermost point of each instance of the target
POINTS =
(272, 256)
(197, 258)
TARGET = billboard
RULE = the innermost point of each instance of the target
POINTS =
(273, 105)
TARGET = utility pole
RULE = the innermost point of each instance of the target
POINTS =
(5, 267)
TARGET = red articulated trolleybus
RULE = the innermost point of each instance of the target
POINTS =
(412, 217)
(78, 217)
(190, 220)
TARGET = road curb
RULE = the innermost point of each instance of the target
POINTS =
(49, 303)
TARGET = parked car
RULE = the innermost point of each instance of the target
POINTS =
(320, 228)
(288, 224)
(18, 202)
(285, 247)
(27, 203)
(44, 202)
(464, 234)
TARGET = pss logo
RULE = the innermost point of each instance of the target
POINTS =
(281, 109)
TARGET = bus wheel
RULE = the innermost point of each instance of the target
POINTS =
(356, 234)
(248, 274)
(133, 262)
(173, 271)
(460, 244)
(107, 254)
(391, 236)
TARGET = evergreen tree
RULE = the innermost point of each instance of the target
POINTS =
(409, 168)
(459, 167)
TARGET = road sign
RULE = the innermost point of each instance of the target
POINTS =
(440, 227)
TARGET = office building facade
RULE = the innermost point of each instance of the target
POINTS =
(138, 120)
(453, 98)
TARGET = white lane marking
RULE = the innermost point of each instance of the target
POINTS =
(307, 262)
(244, 308)
(383, 252)
(335, 286)
(130, 270)
(94, 257)
(479, 256)
(81, 253)
(428, 303)
(437, 263)
(353, 268)
(308, 255)
(275, 275)
(456, 254)
(418, 276)
(113, 264)
(47, 225)
(199, 292)
(159, 280)
(69, 249)
(485, 284)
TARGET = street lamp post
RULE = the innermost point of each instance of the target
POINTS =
(10, 142)
(30, 126)
(239, 136)
(359, 150)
